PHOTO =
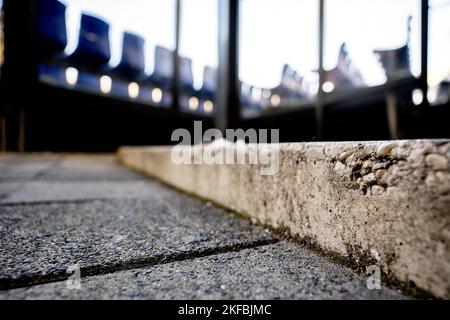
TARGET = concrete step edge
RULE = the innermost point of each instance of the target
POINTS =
(385, 204)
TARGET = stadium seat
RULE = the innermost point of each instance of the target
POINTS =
(130, 69)
(286, 89)
(163, 72)
(157, 88)
(52, 73)
(245, 94)
(186, 76)
(132, 63)
(397, 62)
(52, 40)
(93, 51)
(301, 90)
(189, 100)
(345, 75)
(443, 92)
(209, 86)
(207, 93)
(52, 27)
(287, 82)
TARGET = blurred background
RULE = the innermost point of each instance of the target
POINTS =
(92, 75)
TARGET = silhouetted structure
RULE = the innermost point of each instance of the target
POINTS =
(345, 75)
(397, 62)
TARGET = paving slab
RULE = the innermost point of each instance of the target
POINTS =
(279, 271)
(64, 178)
(45, 191)
(16, 168)
(90, 168)
(29, 157)
(7, 187)
(38, 242)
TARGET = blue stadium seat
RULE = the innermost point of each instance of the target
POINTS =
(247, 96)
(245, 93)
(93, 51)
(132, 64)
(163, 72)
(186, 76)
(52, 40)
(52, 27)
(189, 99)
(396, 63)
(345, 75)
(286, 89)
(157, 88)
(300, 88)
(209, 86)
(52, 73)
(288, 81)
(443, 93)
(247, 103)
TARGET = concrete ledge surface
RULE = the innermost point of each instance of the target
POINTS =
(371, 203)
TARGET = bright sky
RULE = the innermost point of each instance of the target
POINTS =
(199, 35)
(366, 25)
(439, 41)
(275, 32)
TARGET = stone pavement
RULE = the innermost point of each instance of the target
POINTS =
(135, 238)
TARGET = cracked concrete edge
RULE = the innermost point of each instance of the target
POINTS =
(372, 203)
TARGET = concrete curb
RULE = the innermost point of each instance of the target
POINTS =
(371, 203)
